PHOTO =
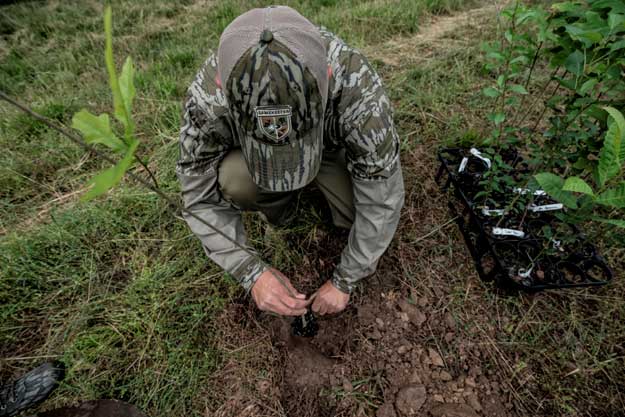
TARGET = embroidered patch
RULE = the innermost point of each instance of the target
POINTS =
(274, 122)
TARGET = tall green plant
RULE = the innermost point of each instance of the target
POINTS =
(578, 149)
(98, 129)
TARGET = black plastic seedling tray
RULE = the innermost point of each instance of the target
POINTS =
(509, 250)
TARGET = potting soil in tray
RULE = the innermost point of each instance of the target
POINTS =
(516, 249)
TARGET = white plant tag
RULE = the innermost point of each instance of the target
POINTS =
(500, 231)
(545, 207)
(478, 154)
(525, 273)
(492, 212)
(463, 164)
(524, 191)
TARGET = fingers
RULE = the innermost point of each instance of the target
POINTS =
(291, 311)
(320, 306)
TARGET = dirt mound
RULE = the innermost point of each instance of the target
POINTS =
(380, 358)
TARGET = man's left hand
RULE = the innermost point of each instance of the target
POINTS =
(329, 300)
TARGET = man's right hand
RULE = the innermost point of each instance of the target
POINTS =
(271, 295)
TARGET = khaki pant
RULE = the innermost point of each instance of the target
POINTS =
(333, 180)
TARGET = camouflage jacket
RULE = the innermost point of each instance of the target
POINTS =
(358, 118)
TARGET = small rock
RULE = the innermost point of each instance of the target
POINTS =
(380, 323)
(410, 399)
(436, 358)
(438, 398)
(263, 386)
(386, 410)
(449, 336)
(403, 349)
(347, 385)
(404, 317)
(445, 376)
(453, 410)
(474, 402)
(415, 316)
(470, 382)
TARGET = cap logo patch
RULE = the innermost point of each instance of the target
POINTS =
(275, 123)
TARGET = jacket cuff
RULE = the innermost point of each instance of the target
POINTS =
(342, 283)
(249, 272)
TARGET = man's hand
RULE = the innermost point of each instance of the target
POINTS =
(330, 300)
(271, 295)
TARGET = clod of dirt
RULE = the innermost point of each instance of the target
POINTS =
(386, 410)
(474, 402)
(374, 334)
(380, 323)
(414, 314)
(453, 410)
(410, 399)
(436, 358)
(445, 376)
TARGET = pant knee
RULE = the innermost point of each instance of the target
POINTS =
(235, 182)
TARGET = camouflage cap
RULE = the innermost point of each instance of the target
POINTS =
(273, 67)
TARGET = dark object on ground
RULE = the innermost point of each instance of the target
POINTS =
(516, 250)
(30, 389)
(305, 326)
(98, 408)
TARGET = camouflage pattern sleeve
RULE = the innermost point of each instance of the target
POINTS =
(365, 118)
(205, 138)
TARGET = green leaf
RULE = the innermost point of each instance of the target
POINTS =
(566, 6)
(118, 102)
(614, 222)
(552, 184)
(588, 85)
(619, 130)
(491, 92)
(519, 89)
(577, 185)
(497, 118)
(574, 63)
(110, 177)
(587, 36)
(615, 21)
(126, 84)
(617, 45)
(497, 56)
(501, 81)
(97, 129)
(613, 197)
(612, 154)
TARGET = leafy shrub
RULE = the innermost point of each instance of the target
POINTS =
(575, 142)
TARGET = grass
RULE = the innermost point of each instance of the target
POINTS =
(122, 292)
